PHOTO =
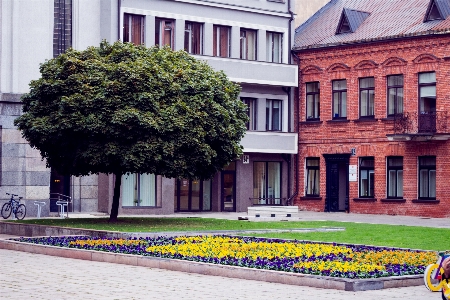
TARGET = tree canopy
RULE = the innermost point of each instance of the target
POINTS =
(121, 108)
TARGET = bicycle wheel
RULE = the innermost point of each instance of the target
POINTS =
(434, 285)
(6, 210)
(21, 211)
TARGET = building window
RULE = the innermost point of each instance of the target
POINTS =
(312, 176)
(139, 190)
(395, 177)
(340, 99)
(312, 101)
(367, 97)
(248, 44)
(366, 177)
(133, 29)
(62, 28)
(193, 38)
(427, 92)
(192, 195)
(251, 112)
(273, 115)
(427, 177)
(395, 94)
(164, 32)
(274, 47)
(267, 182)
(221, 41)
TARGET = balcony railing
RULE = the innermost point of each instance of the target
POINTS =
(421, 123)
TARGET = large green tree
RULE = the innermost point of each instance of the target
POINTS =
(121, 108)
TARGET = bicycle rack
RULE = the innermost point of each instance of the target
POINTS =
(63, 202)
(39, 205)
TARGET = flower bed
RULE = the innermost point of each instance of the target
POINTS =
(347, 261)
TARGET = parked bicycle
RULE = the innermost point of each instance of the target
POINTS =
(14, 206)
(433, 274)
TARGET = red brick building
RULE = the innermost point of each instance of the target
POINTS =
(374, 101)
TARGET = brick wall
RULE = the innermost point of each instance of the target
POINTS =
(409, 57)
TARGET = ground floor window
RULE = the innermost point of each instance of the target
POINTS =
(312, 176)
(395, 177)
(427, 177)
(139, 190)
(367, 177)
(192, 195)
(267, 182)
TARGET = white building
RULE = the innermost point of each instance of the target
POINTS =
(250, 40)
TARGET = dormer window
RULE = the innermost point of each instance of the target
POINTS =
(434, 13)
(350, 20)
(437, 10)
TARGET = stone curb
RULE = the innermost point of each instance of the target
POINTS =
(218, 270)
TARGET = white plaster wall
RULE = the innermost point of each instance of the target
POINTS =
(26, 41)
(86, 23)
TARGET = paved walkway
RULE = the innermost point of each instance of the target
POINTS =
(35, 276)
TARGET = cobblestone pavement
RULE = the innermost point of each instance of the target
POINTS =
(34, 276)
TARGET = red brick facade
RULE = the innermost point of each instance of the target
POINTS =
(406, 56)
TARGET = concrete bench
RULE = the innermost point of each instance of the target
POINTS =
(273, 212)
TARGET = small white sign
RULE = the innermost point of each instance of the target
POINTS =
(245, 159)
(352, 173)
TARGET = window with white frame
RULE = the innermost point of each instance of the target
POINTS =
(248, 44)
(251, 112)
(312, 101)
(395, 177)
(139, 190)
(274, 47)
(221, 40)
(367, 97)
(366, 177)
(164, 32)
(427, 177)
(193, 38)
(312, 176)
(339, 99)
(273, 115)
(133, 29)
(395, 94)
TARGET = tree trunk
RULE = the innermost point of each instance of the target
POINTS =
(115, 203)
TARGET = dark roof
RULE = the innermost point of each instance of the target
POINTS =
(387, 19)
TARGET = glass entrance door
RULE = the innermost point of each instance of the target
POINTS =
(228, 191)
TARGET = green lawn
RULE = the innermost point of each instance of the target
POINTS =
(356, 233)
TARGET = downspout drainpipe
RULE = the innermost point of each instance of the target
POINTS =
(119, 4)
(288, 91)
(297, 59)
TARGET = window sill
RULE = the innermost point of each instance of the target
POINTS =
(393, 200)
(388, 119)
(317, 122)
(318, 198)
(431, 201)
(338, 121)
(362, 120)
(365, 199)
